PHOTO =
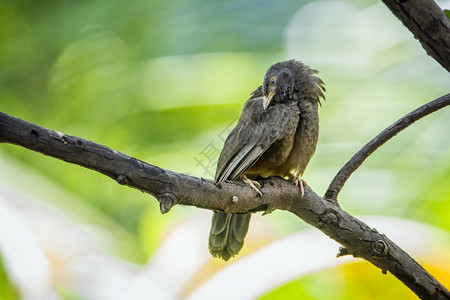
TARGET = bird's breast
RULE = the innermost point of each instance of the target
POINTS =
(305, 140)
(288, 157)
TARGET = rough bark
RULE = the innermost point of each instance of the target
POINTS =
(429, 24)
(172, 188)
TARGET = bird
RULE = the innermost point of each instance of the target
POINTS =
(276, 135)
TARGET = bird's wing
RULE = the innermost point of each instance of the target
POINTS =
(256, 130)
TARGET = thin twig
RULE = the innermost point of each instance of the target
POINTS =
(344, 173)
(172, 188)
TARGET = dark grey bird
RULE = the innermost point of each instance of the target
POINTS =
(276, 135)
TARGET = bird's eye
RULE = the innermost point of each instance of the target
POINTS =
(273, 80)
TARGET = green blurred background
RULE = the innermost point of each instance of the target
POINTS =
(164, 81)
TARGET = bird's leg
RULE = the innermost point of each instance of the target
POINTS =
(252, 183)
(299, 182)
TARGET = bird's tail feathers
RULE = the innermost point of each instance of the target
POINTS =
(227, 234)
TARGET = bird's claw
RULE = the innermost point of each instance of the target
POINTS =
(300, 182)
(254, 185)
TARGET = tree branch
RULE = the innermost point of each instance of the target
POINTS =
(172, 188)
(344, 173)
(428, 23)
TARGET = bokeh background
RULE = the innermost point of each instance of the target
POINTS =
(164, 81)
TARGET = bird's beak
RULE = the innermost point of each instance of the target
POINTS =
(266, 100)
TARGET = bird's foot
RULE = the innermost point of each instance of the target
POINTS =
(301, 183)
(252, 183)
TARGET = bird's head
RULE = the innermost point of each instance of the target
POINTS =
(291, 80)
(278, 85)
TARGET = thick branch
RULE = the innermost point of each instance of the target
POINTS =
(428, 23)
(344, 173)
(171, 188)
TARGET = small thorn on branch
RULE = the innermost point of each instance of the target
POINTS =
(269, 210)
(342, 252)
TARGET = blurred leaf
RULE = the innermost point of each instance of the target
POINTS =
(306, 253)
(447, 13)
(7, 290)
(353, 281)
(23, 181)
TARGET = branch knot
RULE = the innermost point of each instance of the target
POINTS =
(380, 247)
(166, 202)
(329, 217)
